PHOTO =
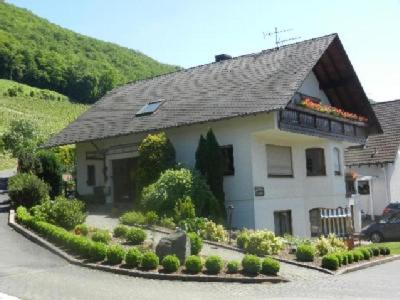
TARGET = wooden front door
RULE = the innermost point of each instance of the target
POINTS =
(124, 171)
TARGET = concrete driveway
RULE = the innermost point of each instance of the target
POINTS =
(28, 271)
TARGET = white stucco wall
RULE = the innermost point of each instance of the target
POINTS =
(310, 87)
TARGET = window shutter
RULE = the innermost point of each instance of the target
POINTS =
(279, 161)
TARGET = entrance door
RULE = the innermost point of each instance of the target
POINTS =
(124, 171)
(283, 222)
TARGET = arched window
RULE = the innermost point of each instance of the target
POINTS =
(315, 162)
(337, 168)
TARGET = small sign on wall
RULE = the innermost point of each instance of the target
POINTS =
(259, 191)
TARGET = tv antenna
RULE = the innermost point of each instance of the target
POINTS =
(278, 41)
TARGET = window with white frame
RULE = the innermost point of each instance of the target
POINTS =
(279, 161)
(315, 162)
(337, 168)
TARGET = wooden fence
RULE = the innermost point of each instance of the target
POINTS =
(327, 220)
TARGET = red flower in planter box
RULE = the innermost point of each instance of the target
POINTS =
(308, 103)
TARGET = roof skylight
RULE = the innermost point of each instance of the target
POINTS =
(149, 108)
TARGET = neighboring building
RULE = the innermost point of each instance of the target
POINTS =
(285, 159)
(376, 166)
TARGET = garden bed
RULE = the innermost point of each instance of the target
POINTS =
(121, 268)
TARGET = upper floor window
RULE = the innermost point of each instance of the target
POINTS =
(315, 162)
(279, 161)
(336, 161)
(91, 175)
(227, 153)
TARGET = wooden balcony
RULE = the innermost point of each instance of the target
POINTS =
(305, 121)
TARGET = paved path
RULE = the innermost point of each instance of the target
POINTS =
(28, 271)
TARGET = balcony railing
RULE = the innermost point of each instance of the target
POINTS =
(300, 120)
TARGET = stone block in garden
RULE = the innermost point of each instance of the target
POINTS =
(177, 243)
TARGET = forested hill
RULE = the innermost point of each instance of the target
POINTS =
(39, 53)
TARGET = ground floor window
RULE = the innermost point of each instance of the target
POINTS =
(91, 175)
(283, 222)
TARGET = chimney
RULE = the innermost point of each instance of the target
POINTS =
(221, 57)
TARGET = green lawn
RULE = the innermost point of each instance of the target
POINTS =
(50, 111)
(394, 247)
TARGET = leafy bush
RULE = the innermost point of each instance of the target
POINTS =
(382, 250)
(132, 218)
(184, 209)
(115, 254)
(251, 264)
(150, 260)
(375, 251)
(167, 223)
(213, 232)
(120, 231)
(196, 243)
(81, 229)
(232, 267)
(270, 266)
(330, 262)
(193, 225)
(136, 236)
(98, 252)
(27, 190)
(214, 264)
(263, 243)
(357, 255)
(193, 264)
(174, 185)
(366, 254)
(170, 263)
(50, 170)
(243, 239)
(66, 213)
(387, 250)
(350, 257)
(329, 244)
(305, 253)
(156, 154)
(151, 218)
(133, 257)
(101, 236)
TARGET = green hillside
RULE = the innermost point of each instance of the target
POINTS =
(48, 110)
(39, 53)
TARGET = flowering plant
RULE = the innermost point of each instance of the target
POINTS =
(308, 103)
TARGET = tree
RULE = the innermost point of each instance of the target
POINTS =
(210, 163)
(156, 154)
(50, 170)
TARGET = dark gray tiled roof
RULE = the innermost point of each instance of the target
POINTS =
(380, 148)
(239, 86)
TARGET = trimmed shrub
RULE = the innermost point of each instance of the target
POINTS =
(358, 255)
(167, 223)
(151, 218)
(366, 254)
(387, 250)
(382, 250)
(101, 236)
(330, 262)
(81, 229)
(243, 239)
(120, 231)
(350, 257)
(50, 170)
(305, 253)
(214, 264)
(136, 236)
(133, 257)
(170, 263)
(270, 266)
(375, 251)
(264, 242)
(132, 218)
(27, 190)
(115, 254)
(251, 264)
(193, 264)
(232, 267)
(98, 251)
(196, 243)
(150, 260)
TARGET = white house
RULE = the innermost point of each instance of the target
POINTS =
(285, 159)
(375, 166)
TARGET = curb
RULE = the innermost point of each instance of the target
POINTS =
(368, 264)
(135, 273)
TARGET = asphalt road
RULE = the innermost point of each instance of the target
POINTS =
(28, 271)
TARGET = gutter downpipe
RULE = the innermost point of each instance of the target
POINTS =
(384, 167)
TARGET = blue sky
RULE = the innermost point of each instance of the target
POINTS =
(189, 33)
